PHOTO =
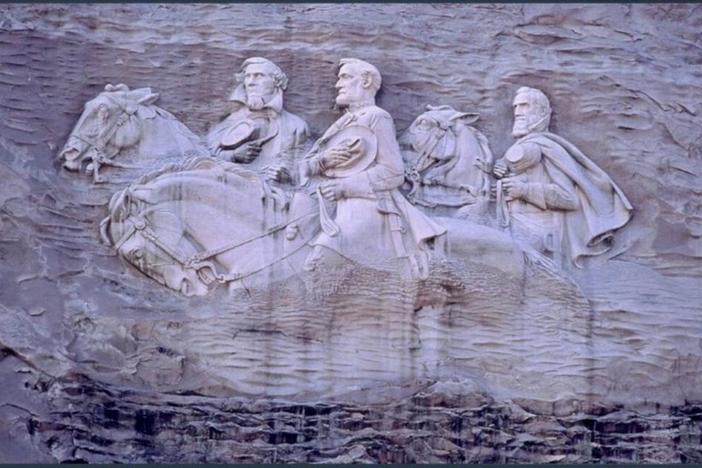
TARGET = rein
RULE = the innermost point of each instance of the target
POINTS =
(99, 158)
(199, 260)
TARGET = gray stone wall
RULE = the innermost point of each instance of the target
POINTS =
(76, 324)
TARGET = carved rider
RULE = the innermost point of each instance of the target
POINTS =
(260, 133)
(550, 194)
(358, 165)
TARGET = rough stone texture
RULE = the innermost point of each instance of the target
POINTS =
(100, 364)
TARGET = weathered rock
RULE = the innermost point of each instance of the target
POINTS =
(475, 365)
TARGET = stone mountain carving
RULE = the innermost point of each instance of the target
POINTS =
(501, 354)
(374, 224)
(449, 162)
(123, 128)
(198, 224)
(550, 194)
(260, 133)
(204, 222)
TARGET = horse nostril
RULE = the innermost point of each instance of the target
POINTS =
(70, 154)
(71, 165)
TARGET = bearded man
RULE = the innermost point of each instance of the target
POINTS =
(260, 133)
(357, 164)
(550, 194)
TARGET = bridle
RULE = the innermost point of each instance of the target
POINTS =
(98, 147)
(201, 261)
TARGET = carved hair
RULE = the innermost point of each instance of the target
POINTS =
(537, 98)
(366, 69)
(281, 79)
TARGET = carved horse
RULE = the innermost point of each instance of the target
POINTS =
(203, 222)
(123, 124)
(449, 161)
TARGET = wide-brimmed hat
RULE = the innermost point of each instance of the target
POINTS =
(246, 131)
(352, 135)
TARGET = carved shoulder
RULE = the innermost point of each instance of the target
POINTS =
(297, 123)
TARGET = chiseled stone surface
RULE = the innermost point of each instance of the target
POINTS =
(495, 358)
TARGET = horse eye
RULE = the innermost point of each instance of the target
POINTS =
(138, 254)
(424, 124)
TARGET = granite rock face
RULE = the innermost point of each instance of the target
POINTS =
(99, 363)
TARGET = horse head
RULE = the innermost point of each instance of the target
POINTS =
(434, 135)
(110, 123)
(446, 150)
(151, 239)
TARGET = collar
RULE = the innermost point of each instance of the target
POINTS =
(357, 106)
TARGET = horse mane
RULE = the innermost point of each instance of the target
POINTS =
(486, 157)
(195, 162)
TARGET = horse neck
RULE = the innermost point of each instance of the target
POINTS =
(165, 131)
(468, 151)
(467, 144)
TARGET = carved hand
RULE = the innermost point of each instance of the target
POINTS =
(500, 169)
(335, 157)
(291, 231)
(246, 153)
(513, 188)
(332, 191)
(277, 173)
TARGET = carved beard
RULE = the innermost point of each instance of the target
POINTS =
(256, 101)
(520, 127)
(525, 124)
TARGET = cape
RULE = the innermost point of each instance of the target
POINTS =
(603, 206)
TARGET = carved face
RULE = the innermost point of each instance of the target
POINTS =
(97, 128)
(259, 80)
(528, 115)
(350, 86)
(151, 260)
(433, 133)
(91, 124)
(424, 132)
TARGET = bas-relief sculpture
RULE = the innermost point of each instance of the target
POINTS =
(279, 289)
(550, 194)
(260, 133)
(448, 162)
(343, 199)
(122, 126)
(440, 224)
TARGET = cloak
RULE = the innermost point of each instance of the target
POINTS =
(604, 208)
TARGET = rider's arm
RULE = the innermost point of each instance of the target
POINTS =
(388, 172)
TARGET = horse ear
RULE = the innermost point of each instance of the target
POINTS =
(120, 87)
(149, 99)
(465, 117)
(439, 108)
